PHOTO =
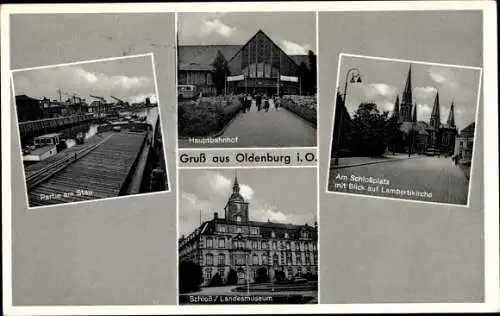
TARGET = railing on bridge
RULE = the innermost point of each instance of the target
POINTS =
(33, 126)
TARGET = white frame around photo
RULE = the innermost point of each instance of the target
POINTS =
(412, 62)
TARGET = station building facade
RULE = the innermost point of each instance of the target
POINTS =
(261, 61)
(250, 247)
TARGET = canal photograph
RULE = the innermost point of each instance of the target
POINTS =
(248, 236)
(247, 79)
(404, 129)
(90, 130)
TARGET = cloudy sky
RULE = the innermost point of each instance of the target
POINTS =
(383, 80)
(294, 32)
(280, 195)
(130, 79)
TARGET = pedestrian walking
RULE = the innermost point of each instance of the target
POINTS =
(258, 100)
(277, 102)
(266, 104)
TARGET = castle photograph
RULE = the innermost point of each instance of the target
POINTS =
(404, 129)
(248, 239)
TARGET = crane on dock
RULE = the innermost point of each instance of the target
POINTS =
(73, 99)
(101, 101)
(121, 102)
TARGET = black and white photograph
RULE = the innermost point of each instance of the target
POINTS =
(247, 79)
(404, 129)
(248, 236)
(90, 130)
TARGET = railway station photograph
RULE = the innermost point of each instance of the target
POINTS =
(248, 236)
(90, 130)
(247, 79)
(404, 129)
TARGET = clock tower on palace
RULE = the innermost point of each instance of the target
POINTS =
(236, 209)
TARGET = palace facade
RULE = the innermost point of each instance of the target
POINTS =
(250, 248)
(259, 61)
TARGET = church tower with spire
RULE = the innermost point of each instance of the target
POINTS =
(450, 123)
(236, 209)
(407, 100)
(435, 121)
(395, 112)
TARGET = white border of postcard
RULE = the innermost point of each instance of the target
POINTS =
(491, 185)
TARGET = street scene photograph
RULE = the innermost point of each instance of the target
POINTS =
(248, 236)
(247, 79)
(90, 130)
(404, 129)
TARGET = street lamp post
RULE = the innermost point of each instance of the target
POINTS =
(356, 77)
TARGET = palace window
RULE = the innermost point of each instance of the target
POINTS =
(298, 259)
(255, 244)
(209, 243)
(305, 234)
(238, 218)
(264, 260)
(274, 245)
(221, 260)
(222, 228)
(240, 260)
(273, 234)
(209, 259)
(238, 230)
(264, 245)
(255, 259)
(286, 235)
(222, 243)
(253, 230)
(275, 260)
(241, 244)
(221, 273)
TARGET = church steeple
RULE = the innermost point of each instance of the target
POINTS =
(436, 114)
(451, 116)
(414, 116)
(407, 100)
(236, 208)
(236, 185)
(407, 96)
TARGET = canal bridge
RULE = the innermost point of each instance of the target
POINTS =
(48, 124)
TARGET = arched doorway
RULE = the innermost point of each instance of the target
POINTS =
(261, 275)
